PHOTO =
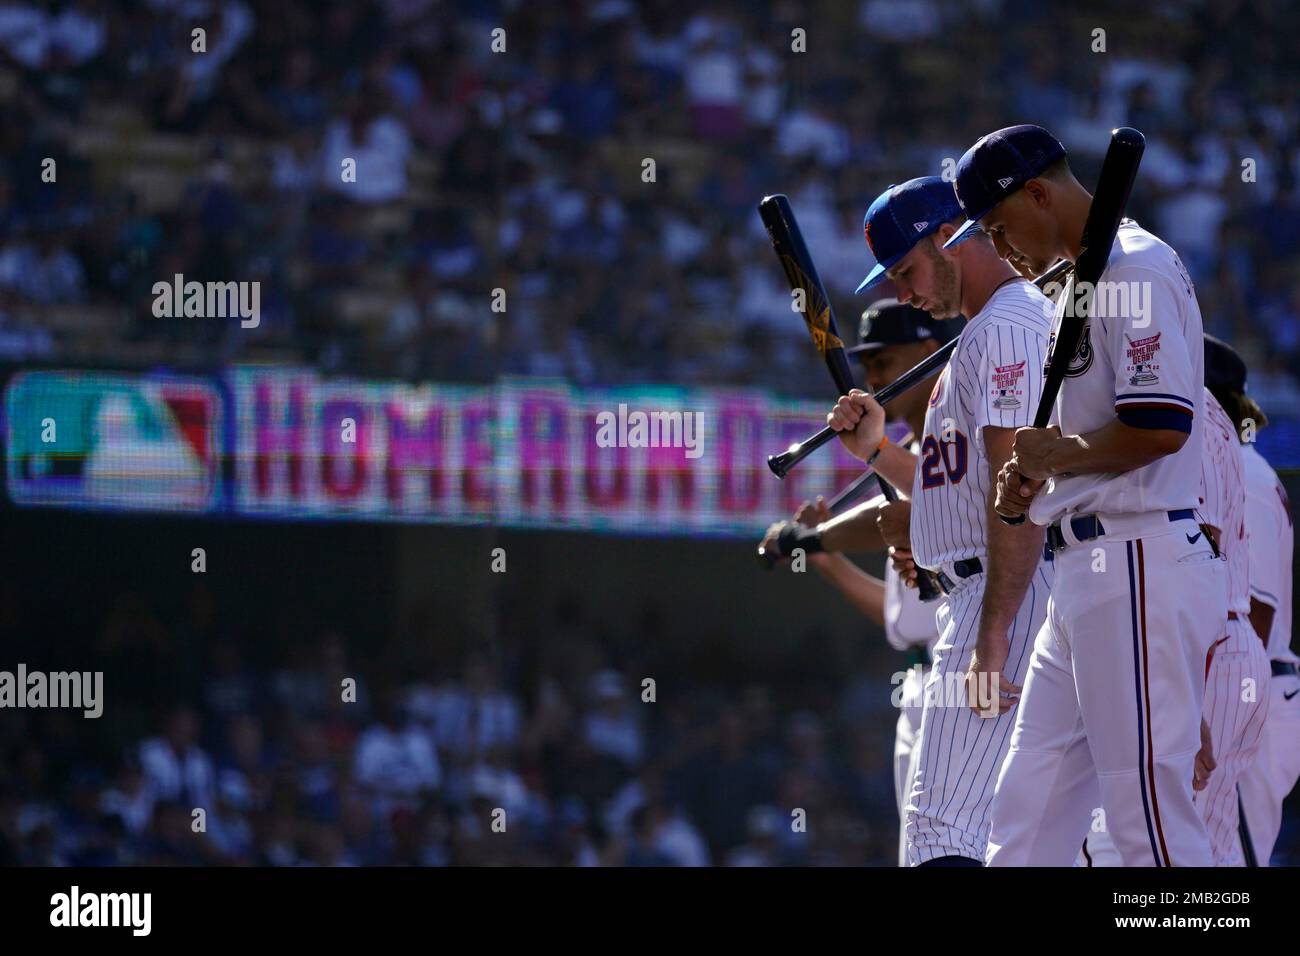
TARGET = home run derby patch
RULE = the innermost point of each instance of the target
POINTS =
(1006, 385)
(1141, 355)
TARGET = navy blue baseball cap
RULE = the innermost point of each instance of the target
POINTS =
(901, 217)
(890, 322)
(1224, 368)
(998, 165)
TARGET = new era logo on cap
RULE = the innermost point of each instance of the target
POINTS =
(924, 204)
(996, 166)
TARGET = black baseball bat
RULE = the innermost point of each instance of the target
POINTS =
(1114, 184)
(852, 491)
(782, 463)
(855, 489)
(818, 315)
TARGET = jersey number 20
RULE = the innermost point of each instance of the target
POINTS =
(940, 457)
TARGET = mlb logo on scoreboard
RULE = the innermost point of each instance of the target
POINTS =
(121, 440)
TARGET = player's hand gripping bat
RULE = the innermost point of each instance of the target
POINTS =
(800, 269)
(782, 463)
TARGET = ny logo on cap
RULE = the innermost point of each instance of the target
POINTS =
(1004, 183)
(920, 226)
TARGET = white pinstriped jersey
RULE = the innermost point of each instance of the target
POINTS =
(994, 377)
(1223, 499)
(1138, 368)
(1272, 545)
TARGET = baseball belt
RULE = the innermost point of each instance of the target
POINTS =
(962, 569)
(1088, 527)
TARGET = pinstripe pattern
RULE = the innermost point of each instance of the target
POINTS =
(961, 753)
(1236, 726)
(1223, 503)
(994, 378)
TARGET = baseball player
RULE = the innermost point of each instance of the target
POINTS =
(1236, 669)
(1111, 706)
(1266, 782)
(994, 578)
(1236, 672)
(892, 339)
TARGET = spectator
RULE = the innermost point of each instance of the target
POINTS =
(610, 727)
(175, 767)
(395, 761)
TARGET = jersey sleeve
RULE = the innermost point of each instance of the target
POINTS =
(1156, 379)
(1009, 375)
(1265, 514)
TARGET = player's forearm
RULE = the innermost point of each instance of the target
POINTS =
(1114, 447)
(864, 592)
(1014, 552)
(897, 466)
(855, 530)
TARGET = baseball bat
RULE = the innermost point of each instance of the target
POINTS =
(852, 491)
(801, 271)
(782, 463)
(848, 494)
(1114, 184)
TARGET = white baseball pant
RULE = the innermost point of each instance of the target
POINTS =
(1268, 781)
(907, 736)
(1110, 714)
(1235, 709)
(955, 773)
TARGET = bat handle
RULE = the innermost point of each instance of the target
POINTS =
(782, 463)
(926, 587)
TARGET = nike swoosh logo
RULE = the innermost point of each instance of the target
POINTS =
(1290, 695)
(1191, 538)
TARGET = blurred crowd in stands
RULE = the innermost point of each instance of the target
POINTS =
(523, 168)
(539, 749)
